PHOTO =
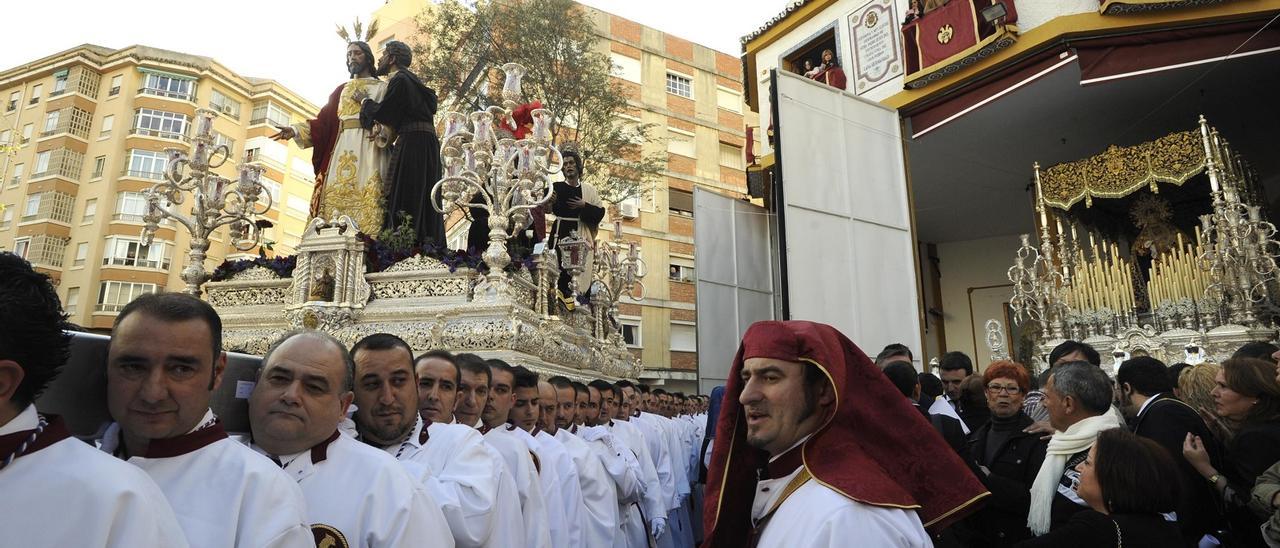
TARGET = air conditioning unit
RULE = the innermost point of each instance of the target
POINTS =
(629, 210)
(225, 109)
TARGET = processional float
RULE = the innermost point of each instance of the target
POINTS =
(1164, 286)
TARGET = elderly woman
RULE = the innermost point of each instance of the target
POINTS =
(1246, 391)
(1005, 457)
(1124, 482)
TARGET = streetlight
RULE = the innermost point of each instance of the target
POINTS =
(215, 202)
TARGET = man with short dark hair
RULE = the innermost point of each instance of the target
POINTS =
(560, 483)
(1078, 398)
(953, 369)
(793, 472)
(891, 351)
(601, 519)
(460, 473)
(164, 361)
(438, 378)
(510, 443)
(474, 379)
(47, 476)
(1261, 350)
(904, 377)
(1147, 398)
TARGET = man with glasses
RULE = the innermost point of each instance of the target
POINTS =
(1005, 458)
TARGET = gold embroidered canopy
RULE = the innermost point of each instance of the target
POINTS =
(1120, 171)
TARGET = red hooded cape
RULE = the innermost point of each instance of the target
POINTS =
(876, 449)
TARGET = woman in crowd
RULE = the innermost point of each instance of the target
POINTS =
(1195, 388)
(1126, 483)
(1005, 458)
(1246, 392)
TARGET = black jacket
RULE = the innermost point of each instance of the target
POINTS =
(1248, 455)
(1166, 421)
(1003, 521)
(1091, 529)
(948, 427)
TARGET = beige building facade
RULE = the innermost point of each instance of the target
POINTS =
(692, 95)
(87, 130)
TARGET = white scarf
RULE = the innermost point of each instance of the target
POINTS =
(1078, 437)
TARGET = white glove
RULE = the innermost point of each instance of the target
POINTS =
(658, 526)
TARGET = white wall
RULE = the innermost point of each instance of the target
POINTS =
(966, 266)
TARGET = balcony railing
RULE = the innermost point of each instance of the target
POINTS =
(185, 96)
(171, 135)
(152, 175)
(162, 264)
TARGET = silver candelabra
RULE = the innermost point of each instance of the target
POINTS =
(504, 176)
(215, 201)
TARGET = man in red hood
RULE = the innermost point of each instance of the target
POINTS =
(821, 449)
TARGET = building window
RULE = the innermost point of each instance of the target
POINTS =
(59, 83)
(51, 205)
(220, 102)
(630, 332)
(222, 140)
(124, 251)
(626, 68)
(6, 137)
(262, 149)
(147, 164)
(59, 161)
(159, 123)
(684, 337)
(272, 189)
(21, 247)
(681, 270)
(114, 295)
(73, 300)
(679, 142)
(115, 85)
(90, 211)
(13, 101)
(168, 86)
(51, 121)
(267, 111)
(731, 156)
(680, 202)
(27, 130)
(131, 207)
(42, 162)
(6, 220)
(36, 90)
(108, 123)
(99, 164)
(301, 169)
(82, 252)
(32, 207)
(679, 85)
(298, 207)
(17, 174)
(729, 99)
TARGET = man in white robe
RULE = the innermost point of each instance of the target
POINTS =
(506, 439)
(46, 476)
(651, 511)
(164, 362)
(461, 473)
(356, 495)
(350, 163)
(560, 483)
(609, 482)
(822, 448)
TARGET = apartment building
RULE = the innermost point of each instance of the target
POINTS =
(693, 96)
(87, 130)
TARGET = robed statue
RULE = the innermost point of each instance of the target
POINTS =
(350, 160)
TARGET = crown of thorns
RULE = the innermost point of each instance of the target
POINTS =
(355, 31)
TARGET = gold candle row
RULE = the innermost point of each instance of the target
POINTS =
(1176, 274)
(1104, 281)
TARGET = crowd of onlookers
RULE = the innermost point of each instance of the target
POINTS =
(1156, 456)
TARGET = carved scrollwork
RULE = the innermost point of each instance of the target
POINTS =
(418, 263)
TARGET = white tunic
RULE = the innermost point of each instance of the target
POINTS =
(519, 460)
(557, 458)
(71, 494)
(365, 495)
(223, 493)
(815, 516)
(652, 506)
(600, 499)
(462, 474)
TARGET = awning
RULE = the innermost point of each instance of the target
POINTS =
(1103, 59)
(935, 116)
(174, 75)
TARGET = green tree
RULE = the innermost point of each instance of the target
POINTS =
(461, 45)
